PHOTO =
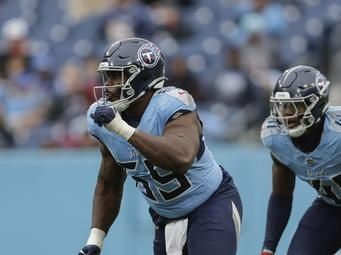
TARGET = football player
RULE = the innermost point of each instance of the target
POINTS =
(303, 134)
(153, 134)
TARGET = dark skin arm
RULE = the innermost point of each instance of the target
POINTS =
(176, 149)
(108, 192)
(283, 179)
(280, 202)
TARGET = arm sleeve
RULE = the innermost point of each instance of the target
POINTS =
(279, 209)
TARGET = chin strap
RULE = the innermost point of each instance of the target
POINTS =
(297, 131)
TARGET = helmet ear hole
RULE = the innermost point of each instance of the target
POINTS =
(308, 121)
(127, 92)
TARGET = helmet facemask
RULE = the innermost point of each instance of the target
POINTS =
(294, 114)
(103, 94)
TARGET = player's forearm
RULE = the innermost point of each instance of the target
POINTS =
(106, 206)
(279, 210)
(173, 153)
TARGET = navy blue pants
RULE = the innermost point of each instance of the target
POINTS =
(211, 227)
(319, 231)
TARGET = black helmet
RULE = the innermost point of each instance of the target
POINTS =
(301, 93)
(140, 61)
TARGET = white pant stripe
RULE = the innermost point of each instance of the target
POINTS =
(176, 236)
(236, 220)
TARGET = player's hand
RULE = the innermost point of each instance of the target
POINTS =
(266, 252)
(104, 115)
(111, 119)
(90, 250)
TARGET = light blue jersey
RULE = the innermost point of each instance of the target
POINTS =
(170, 195)
(321, 168)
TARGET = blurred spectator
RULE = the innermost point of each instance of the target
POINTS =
(15, 44)
(25, 101)
(91, 77)
(6, 136)
(182, 77)
(69, 105)
(233, 84)
(262, 26)
(244, 99)
(126, 19)
(169, 19)
(259, 52)
(264, 15)
(180, 3)
(81, 9)
(44, 96)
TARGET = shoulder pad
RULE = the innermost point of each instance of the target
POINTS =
(269, 127)
(180, 94)
(334, 116)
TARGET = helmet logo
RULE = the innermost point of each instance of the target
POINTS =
(321, 83)
(149, 55)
